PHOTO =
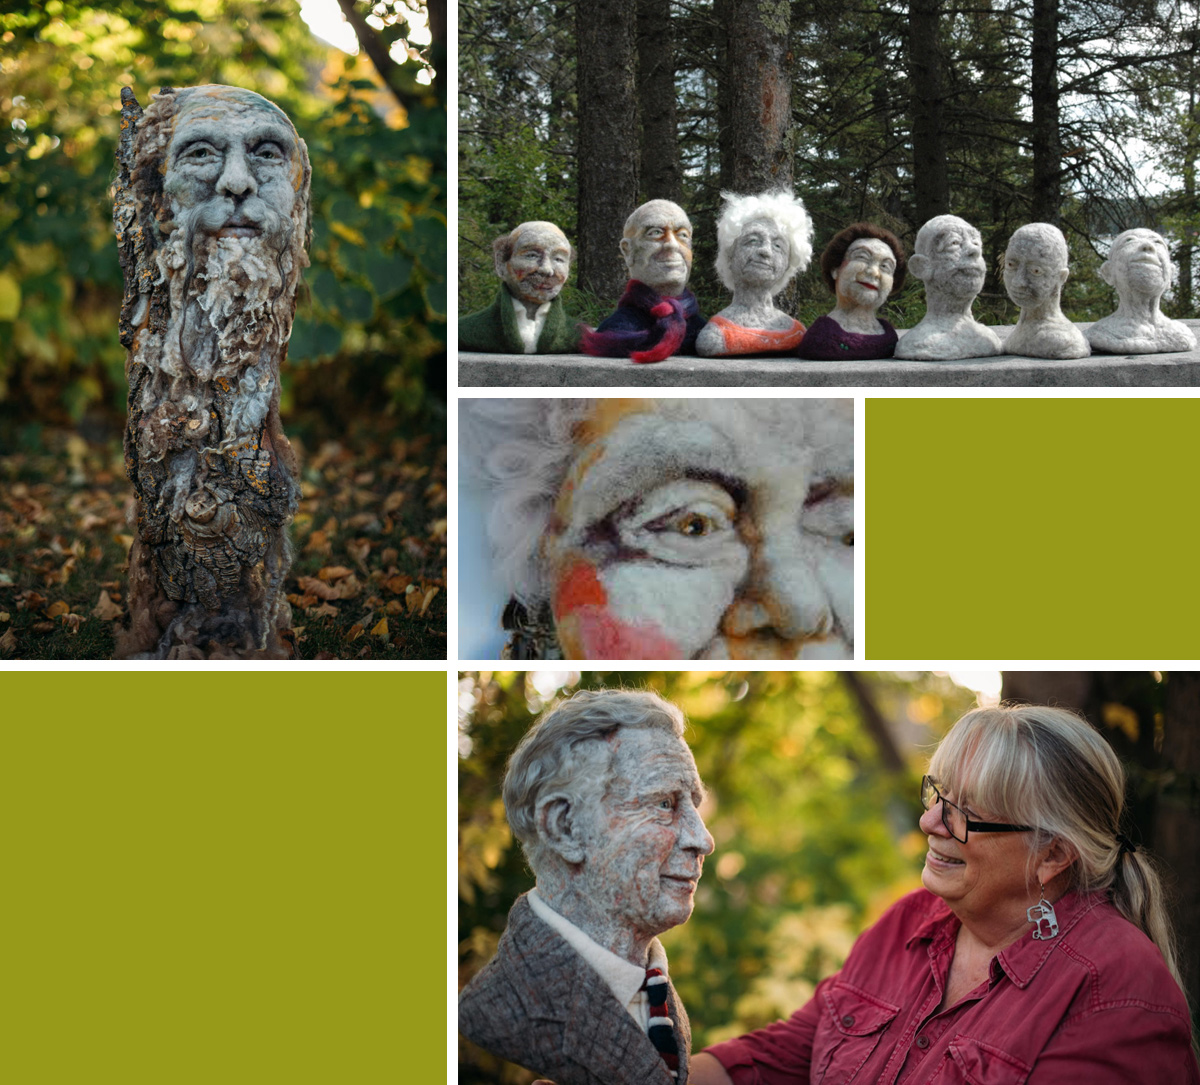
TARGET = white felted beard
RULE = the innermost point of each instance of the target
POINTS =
(231, 297)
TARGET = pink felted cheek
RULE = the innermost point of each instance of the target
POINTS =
(602, 636)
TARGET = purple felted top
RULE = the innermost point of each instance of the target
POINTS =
(827, 341)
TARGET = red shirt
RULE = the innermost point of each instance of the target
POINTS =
(1095, 1005)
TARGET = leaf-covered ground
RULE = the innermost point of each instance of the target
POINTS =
(368, 582)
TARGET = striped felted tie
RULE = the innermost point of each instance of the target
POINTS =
(662, 1028)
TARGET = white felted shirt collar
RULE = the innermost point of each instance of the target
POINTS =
(529, 329)
(623, 978)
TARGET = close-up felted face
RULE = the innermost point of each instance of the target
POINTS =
(540, 261)
(1139, 262)
(717, 529)
(956, 264)
(760, 254)
(657, 246)
(865, 278)
(646, 840)
(1034, 271)
(233, 168)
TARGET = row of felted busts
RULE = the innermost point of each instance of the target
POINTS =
(764, 240)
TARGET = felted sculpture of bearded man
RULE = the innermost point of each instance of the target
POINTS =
(669, 528)
(657, 315)
(212, 218)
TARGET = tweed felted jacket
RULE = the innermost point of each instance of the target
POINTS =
(494, 329)
(538, 1003)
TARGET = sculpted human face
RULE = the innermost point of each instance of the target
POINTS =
(715, 529)
(657, 247)
(1140, 263)
(540, 262)
(984, 879)
(647, 840)
(956, 264)
(865, 277)
(1033, 271)
(232, 167)
(760, 254)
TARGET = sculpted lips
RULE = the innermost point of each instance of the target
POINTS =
(239, 227)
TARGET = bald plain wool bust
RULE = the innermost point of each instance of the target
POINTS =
(1035, 270)
(211, 212)
(1139, 268)
(948, 259)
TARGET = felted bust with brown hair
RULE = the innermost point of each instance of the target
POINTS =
(861, 265)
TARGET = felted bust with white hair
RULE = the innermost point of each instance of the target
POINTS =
(763, 241)
(662, 528)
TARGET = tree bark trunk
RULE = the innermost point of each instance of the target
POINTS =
(607, 144)
(931, 178)
(1045, 141)
(661, 172)
(1177, 828)
(757, 154)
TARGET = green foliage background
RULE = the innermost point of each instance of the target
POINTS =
(370, 324)
(814, 836)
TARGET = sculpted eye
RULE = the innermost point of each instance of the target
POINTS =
(829, 510)
(198, 152)
(688, 522)
(269, 151)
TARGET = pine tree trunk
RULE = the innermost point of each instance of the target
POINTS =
(757, 145)
(931, 180)
(608, 140)
(661, 172)
(1045, 140)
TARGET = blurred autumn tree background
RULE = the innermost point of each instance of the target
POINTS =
(364, 382)
(813, 781)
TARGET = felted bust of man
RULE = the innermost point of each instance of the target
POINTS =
(604, 796)
(663, 528)
(527, 316)
(1035, 269)
(657, 315)
(948, 258)
(1139, 268)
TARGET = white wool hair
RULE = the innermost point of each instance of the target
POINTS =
(522, 448)
(781, 208)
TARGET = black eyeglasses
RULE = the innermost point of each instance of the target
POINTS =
(958, 825)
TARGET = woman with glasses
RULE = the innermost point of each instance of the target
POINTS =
(1038, 953)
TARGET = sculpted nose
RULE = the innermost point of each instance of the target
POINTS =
(236, 180)
(696, 835)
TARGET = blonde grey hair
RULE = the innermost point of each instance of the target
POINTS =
(782, 208)
(1049, 768)
(567, 750)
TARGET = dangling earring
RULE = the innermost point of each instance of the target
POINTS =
(1041, 915)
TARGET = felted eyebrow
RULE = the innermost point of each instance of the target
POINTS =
(218, 135)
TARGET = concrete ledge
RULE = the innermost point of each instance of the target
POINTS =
(1004, 370)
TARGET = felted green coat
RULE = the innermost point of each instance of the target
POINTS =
(494, 330)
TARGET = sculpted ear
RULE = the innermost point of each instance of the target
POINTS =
(1106, 272)
(626, 248)
(559, 828)
(918, 265)
(1063, 274)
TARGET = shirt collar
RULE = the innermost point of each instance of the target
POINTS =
(1022, 960)
(623, 978)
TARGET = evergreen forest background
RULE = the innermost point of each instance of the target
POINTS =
(1074, 112)
(364, 381)
(813, 780)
